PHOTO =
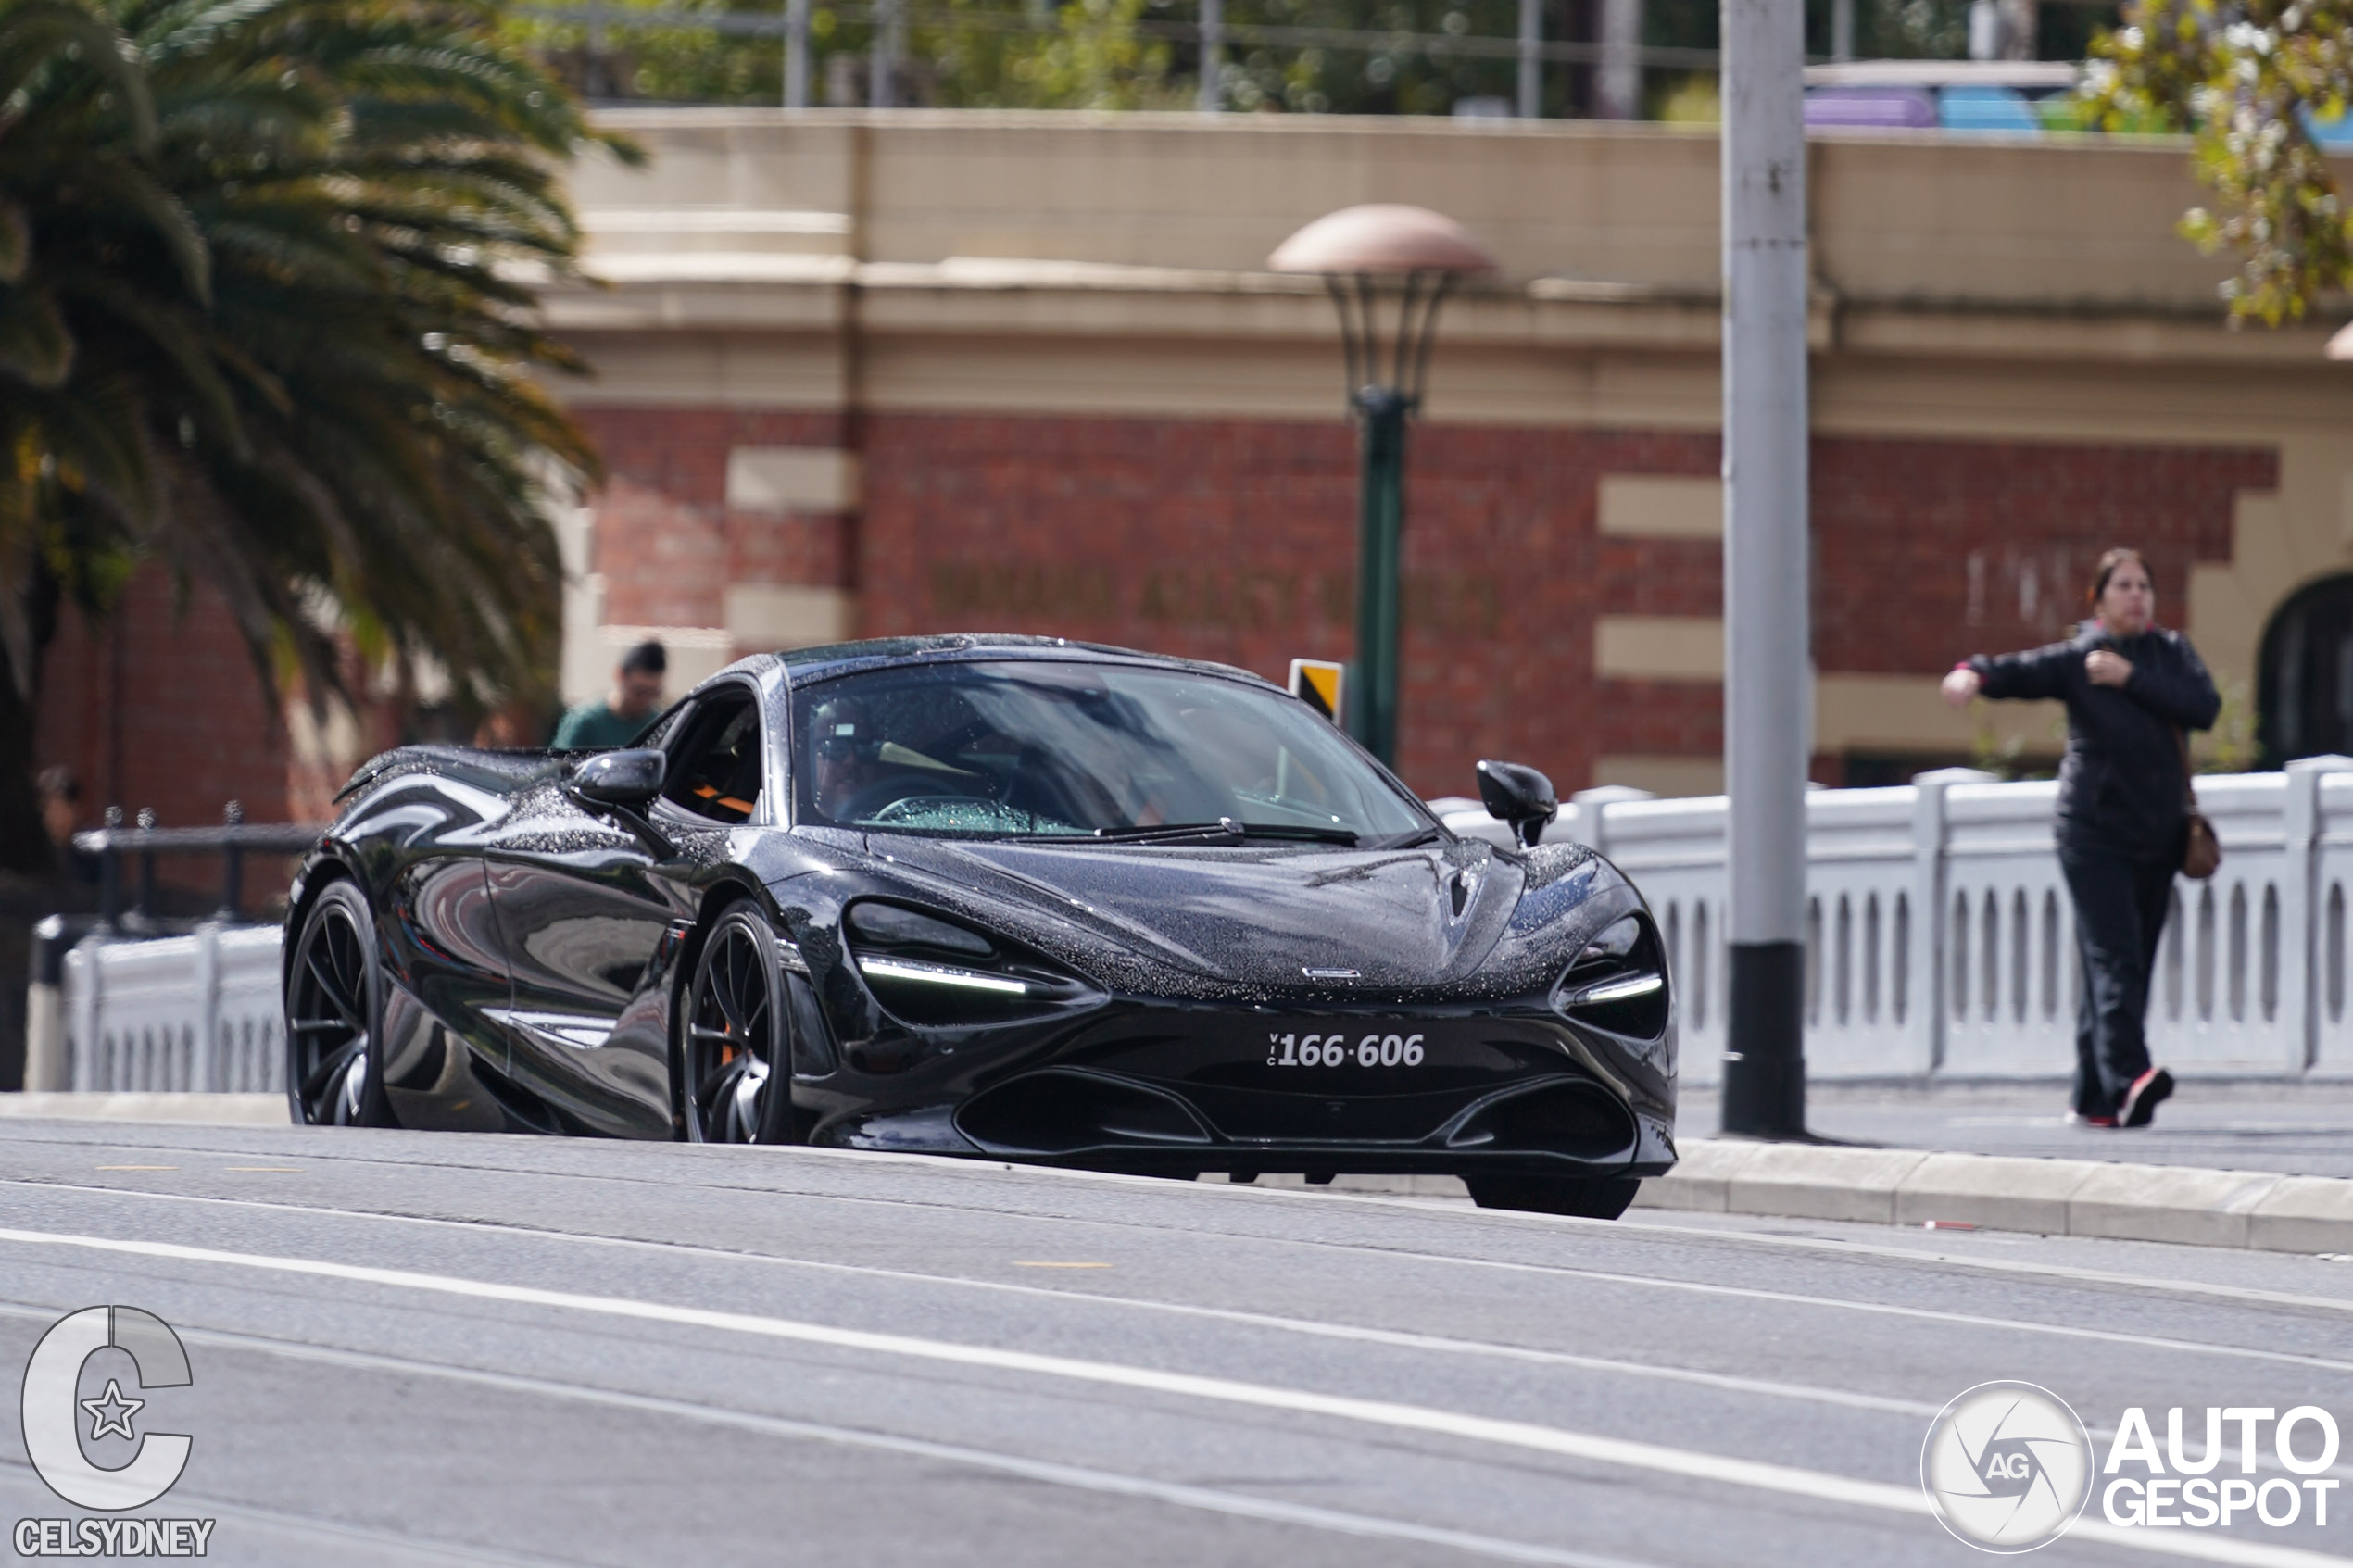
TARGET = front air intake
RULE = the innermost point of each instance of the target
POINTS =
(1062, 1112)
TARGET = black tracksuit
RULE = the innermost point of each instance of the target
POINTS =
(2121, 824)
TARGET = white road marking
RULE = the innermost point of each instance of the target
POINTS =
(1398, 1338)
(1730, 1240)
(1835, 1246)
(1082, 1477)
(2112, 1336)
(1786, 1480)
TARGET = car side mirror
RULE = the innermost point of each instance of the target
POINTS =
(1519, 796)
(620, 778)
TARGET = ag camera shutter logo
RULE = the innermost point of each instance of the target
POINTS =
(2007, 1467)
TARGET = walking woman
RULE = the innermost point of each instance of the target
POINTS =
(2132, 690)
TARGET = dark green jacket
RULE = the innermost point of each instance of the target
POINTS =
(594, 726)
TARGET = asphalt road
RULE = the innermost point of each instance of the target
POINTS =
(412, 1347)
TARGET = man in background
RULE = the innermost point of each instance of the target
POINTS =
(634, 699)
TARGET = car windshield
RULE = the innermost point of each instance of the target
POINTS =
(1065, 751)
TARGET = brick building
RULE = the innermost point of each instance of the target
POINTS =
(874, 373)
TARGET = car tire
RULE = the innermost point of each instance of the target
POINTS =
(1587, 1198)
(735, 1036)
(335, 1016)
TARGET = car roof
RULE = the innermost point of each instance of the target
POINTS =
(804, 666)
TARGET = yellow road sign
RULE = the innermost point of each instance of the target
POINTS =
(1317, 683)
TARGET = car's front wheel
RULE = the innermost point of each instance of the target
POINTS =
(1588, 1198)
(334, 1003)
(735, 1086)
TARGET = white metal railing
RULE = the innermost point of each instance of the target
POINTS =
(1939, 941)
(195, 1012)
(1941, 938)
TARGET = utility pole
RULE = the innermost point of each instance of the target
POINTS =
(795, 54)
(1767, 545)
(1210, 96)
(1531, 65)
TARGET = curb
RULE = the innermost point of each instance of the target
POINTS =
(2261, 1210)
(219, 1111)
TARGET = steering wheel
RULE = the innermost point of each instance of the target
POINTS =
(869, 803)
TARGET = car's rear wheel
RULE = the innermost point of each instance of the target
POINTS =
(735, 1086)
(334, 1003)
(1588, 1198)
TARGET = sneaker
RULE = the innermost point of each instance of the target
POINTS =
(2077, 1118)
(2141, 1100)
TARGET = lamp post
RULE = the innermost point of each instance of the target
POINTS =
(1370, 256)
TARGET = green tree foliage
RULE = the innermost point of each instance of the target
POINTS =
(1074, 54)
(2245, 80)
(268, 275)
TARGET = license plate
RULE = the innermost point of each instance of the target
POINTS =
(1309, 1050)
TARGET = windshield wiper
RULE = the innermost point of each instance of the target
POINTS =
(1224, 827)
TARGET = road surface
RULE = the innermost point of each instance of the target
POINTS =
(419, 1348)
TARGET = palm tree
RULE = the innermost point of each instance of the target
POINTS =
(77, 183)
(317, 303)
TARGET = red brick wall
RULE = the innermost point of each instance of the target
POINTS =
(1236, 541)
(162, 707)
(666, 541)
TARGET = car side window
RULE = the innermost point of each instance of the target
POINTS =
(715, 770)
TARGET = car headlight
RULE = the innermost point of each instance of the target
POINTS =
(933, 972)
(1618, 982)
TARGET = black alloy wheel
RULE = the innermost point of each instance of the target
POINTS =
(737, 1054)
(335, 1000)
(1587, 1198)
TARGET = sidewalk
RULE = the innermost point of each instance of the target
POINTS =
(2250, 1165)
(2304, 1130)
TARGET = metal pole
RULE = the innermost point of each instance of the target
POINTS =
(1841, 30)
(233, 862)
(1211, 97)
(110, 872)
(882, 63)
(146, 865)
(797, 54)
(1531, 68)
(1765, 544)
(1382, 412)
(1618, 81)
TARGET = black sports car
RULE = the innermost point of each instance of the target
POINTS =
(998, 897)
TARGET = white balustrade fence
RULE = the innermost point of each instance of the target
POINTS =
(1941, 938)
(195, 1012)
(1939, 941)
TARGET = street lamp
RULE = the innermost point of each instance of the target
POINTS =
(1368, 257)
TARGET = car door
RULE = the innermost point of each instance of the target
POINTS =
(590, 907)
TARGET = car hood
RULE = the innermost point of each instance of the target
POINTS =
(1254, 915)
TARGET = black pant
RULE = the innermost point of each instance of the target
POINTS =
(2120, 914)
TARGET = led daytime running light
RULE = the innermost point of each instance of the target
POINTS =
(940, 974)
(1621, 990)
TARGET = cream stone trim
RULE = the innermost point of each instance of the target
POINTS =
(1659, 647)
(1646, 506)
(765, 617)
(1906, 713)
(1664, 776)
(2279, 541)
(791, 478)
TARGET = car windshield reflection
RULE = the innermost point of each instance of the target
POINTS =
(1047, 751)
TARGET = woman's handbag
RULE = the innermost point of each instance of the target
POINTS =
(2201, 851)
